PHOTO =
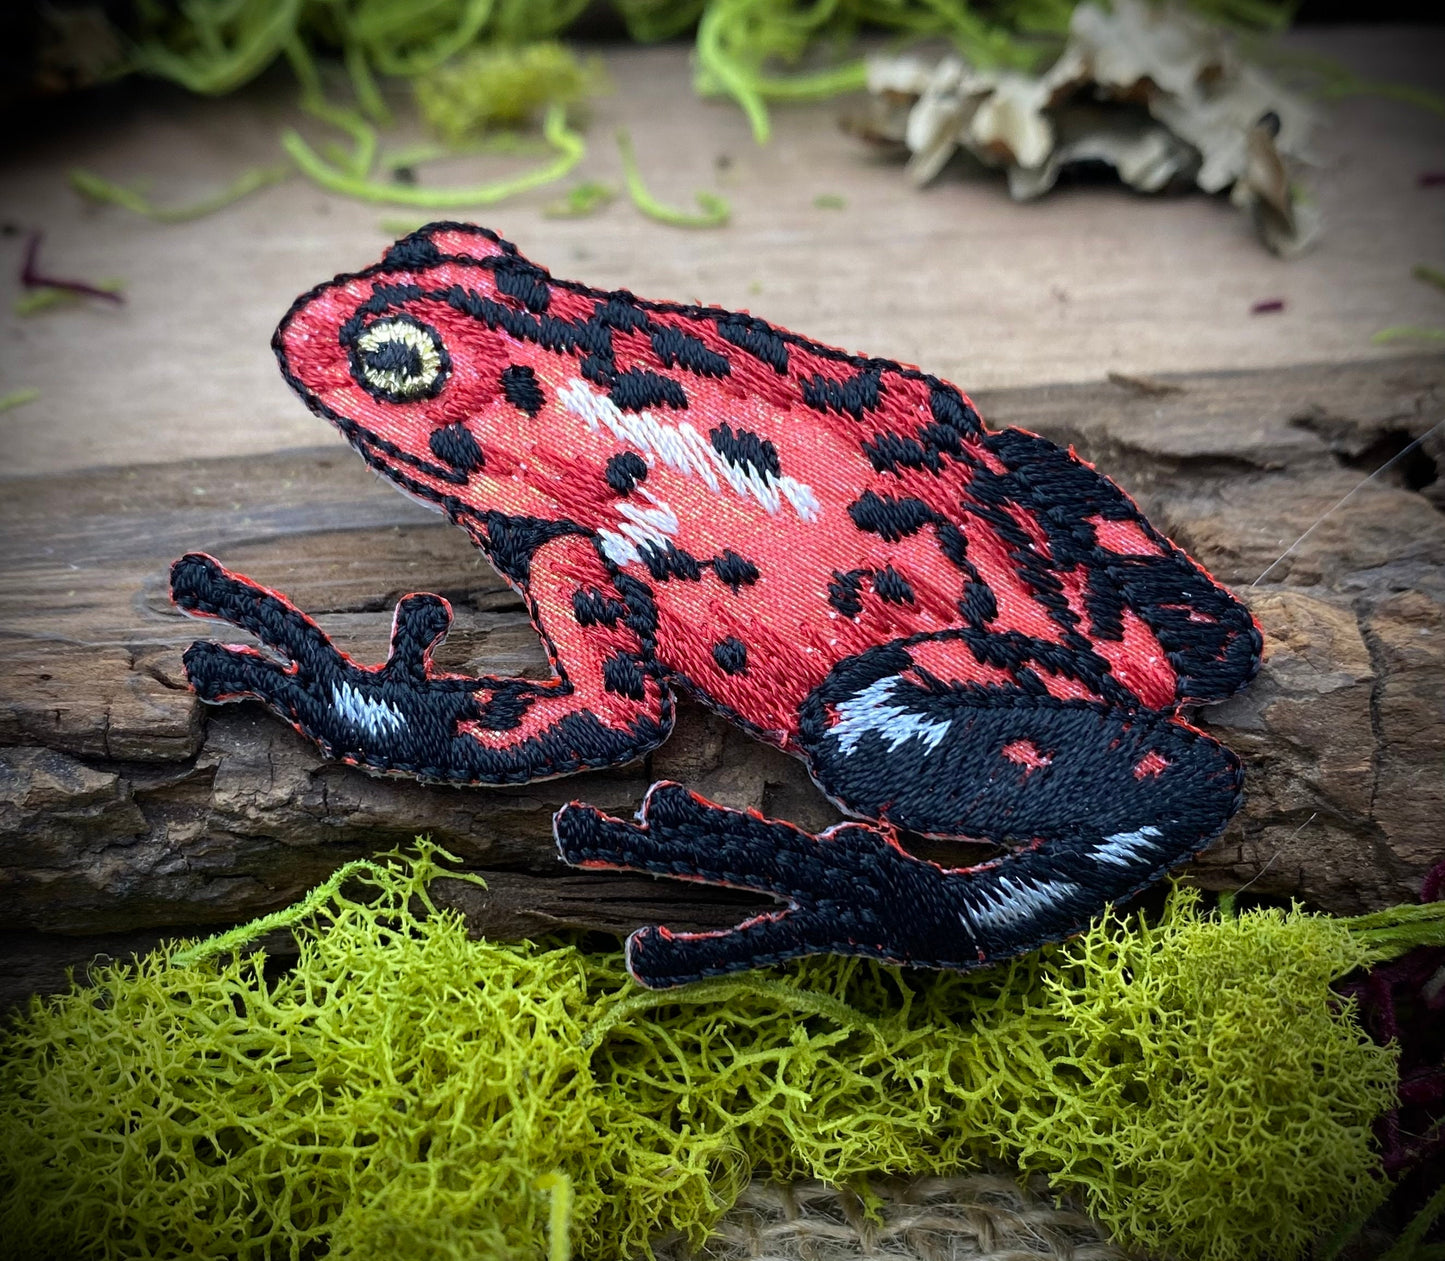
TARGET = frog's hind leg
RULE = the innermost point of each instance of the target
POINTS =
(1091, 801)
(830, 883)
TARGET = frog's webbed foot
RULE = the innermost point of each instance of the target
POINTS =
(407, 717)
(682, 835)
(823, 880)
(396, 716)
(850, 890)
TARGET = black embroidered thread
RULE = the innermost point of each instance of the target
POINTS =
(670, 561)
(892, 586)
(892, 453)
(949, 409)
(455, 445)
(745, 449)
(622, 674)
(523, 281)
(521, 389)
(678, 349)
(737, 571)
(854, 396)
(891, 519)
(624, 471)
(845, 590)
(637, 389)
(731, 655)
(760, 340)
(412, 253)
(511, 542)
(591, 608)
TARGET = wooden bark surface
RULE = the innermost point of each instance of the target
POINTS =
(956, 277)
(129, 811)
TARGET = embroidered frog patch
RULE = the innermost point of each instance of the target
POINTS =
(962, 632)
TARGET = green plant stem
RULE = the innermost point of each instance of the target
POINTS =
(382, 37)
(510, 143)
(715, 210)
(1430, 275)
(246, 934)
(731, 78)
(1407, 332)
(216, 69)
(559, 1214)
(568, 143)
(100, 189)
(18, 398)
(1392, 932)
(363, 82)
(314, 102)
(46, 297)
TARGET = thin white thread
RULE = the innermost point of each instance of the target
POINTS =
(1390, 463)
(683, 448)
(868, 711)
(1276, 854)
(375, 717)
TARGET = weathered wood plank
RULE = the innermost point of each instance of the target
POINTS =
(126, 807)
(955, 277)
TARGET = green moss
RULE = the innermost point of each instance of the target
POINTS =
(404, 1092)
(581, 200)
(492, 87)
(740, 45)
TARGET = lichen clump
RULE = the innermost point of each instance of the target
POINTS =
(403, 1092)
(502, 87)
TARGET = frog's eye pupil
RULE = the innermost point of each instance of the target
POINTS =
(394, 357)
(400, 359)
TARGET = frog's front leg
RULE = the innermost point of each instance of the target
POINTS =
(605, 706)
(1092, 801)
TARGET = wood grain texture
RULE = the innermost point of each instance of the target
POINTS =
(956, 278)
(127, 809)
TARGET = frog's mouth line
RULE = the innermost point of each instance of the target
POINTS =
(381, 454)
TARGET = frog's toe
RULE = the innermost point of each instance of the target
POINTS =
(199, 585)
(661, 959)
(588, 838)
(202, 587)
(680, 834)
(420, 623)
(230, 672)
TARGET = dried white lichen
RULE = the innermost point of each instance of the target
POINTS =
(1154, 92)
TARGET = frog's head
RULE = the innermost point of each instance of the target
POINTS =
(412, 361)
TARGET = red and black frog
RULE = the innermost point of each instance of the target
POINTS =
(962, 632)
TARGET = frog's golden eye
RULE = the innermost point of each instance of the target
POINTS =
(399, 359)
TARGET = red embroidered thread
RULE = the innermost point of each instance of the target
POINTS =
(830, 550)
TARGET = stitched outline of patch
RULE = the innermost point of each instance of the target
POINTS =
(1061, 534)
